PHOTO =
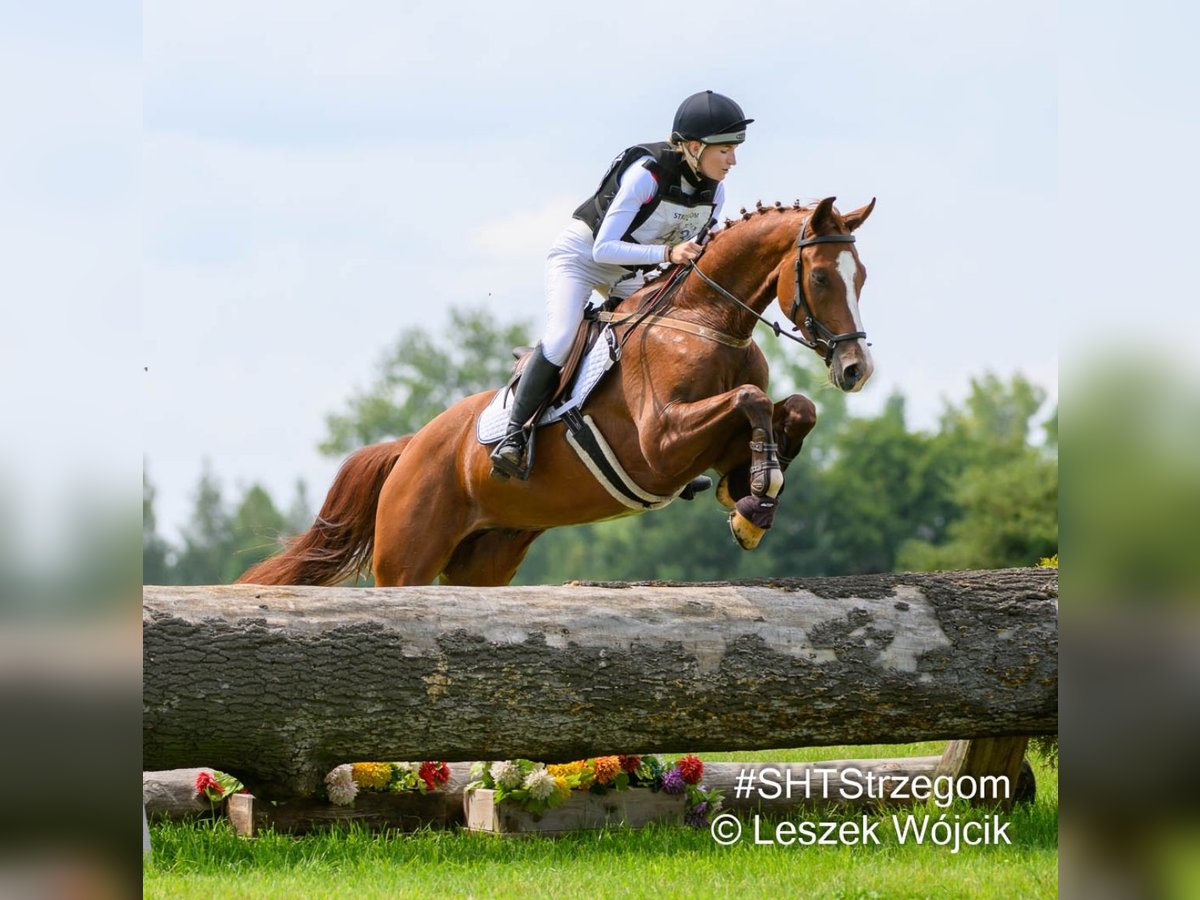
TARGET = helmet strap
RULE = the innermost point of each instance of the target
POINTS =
(693, 161)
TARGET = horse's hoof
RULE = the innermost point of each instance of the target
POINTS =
(723, 496)
(745, 532)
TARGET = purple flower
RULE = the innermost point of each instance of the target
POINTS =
(697, 816)
(672, 782)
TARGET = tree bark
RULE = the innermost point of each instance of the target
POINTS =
(277, 685)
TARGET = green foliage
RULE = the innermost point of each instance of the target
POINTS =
(207, 542)
(422, 375)
(256, 532)
(1004, 491)
(1009, 518)
(219, 542)
(1134, 482)
(883, 485)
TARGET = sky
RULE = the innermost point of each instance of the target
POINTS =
(225, 213)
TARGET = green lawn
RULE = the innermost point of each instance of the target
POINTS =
(202, 860)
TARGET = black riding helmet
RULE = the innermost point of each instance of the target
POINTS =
(711, 118)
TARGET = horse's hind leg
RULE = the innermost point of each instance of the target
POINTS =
(488, 558)
(421, 519)
(793, 418)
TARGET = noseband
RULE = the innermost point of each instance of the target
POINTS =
(824, 341)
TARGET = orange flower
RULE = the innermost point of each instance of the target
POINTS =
(606, 768)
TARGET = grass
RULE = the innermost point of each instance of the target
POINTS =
(206, 860)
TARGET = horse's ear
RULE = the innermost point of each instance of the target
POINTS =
(821, 221)
(856, 217)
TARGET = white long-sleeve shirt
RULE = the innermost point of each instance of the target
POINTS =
(637, 188)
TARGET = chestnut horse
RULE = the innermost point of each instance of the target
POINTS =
(687, 395)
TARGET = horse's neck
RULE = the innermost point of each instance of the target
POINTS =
(744, 261)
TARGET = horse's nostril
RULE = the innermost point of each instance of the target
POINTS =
(850, 374)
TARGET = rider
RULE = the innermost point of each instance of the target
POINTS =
(651, 203)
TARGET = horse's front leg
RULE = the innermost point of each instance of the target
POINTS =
(794, 417)
(680, 434)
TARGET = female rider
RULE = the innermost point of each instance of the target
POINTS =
(651, 203)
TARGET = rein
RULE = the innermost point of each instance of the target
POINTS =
(824, 341)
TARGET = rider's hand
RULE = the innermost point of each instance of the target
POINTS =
(682, 253)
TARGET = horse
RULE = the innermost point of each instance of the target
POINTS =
(688, 395)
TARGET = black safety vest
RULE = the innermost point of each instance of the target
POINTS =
(669, 170)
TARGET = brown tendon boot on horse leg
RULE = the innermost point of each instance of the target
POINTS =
(534, 389)
(754, 514)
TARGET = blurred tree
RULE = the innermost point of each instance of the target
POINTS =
(207, 538)
(300, 513)
(257, 530)
(1051, 429)
(1009, 517)
(422, 375)
(1005, 490)
(994, 422)
(881, 486)
(156, 567)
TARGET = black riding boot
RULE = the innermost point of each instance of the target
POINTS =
(538, 381)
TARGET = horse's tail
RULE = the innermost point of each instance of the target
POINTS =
(340, 541)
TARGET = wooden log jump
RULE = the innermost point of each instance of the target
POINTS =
(276, 685)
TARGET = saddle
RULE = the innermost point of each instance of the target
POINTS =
(585, 338)
(586, 363)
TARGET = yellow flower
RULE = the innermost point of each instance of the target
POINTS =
(372, 775)
(606, 768)
(566, 770)
(562, 790)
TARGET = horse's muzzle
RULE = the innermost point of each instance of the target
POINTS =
(851, 367)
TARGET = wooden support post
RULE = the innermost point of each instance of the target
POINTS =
(1003, 757)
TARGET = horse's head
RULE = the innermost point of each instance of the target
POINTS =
(819, 287)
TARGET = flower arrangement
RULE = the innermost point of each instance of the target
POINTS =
(217, 786)
(537, 787)
(343, 783)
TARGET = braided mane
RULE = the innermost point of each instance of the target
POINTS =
(759, 210)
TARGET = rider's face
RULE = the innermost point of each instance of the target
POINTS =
(715, 159)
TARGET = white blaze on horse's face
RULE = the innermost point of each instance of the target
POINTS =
(852, 364)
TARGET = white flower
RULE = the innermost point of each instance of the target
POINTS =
(340, 786)
(540, 784)
(506, 774)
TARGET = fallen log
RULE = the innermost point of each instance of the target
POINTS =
(172, 795)
(276, 685)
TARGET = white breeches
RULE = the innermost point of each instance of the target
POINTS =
(571, 276)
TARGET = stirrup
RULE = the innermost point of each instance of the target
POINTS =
(697, 485)
(504, 468)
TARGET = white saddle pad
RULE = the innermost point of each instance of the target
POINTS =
(493, 421)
